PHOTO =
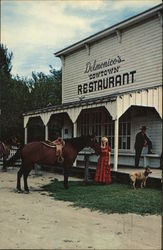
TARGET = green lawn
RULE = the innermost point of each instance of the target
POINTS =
(114, 198)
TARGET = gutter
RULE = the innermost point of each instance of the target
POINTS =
(155, 11)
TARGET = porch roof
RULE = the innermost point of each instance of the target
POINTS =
(104, 99)
(65, 106)
(116, 105)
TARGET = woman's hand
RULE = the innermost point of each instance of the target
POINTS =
(109, 158)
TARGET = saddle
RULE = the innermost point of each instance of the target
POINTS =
(58, 144)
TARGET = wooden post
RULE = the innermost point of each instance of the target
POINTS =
(25, 135)
(86, 172)
(75, 129)
(116, 136)
(46, 133)
(75, 135)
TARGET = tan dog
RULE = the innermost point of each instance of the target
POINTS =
(141, 176)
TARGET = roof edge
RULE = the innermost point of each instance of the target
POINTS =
(126, 23)
(102, 99)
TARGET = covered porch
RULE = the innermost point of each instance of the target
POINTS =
(125, 113)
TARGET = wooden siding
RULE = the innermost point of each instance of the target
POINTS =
(141, 48)
(154, 130)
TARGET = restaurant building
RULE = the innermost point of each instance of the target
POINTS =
(112, 85)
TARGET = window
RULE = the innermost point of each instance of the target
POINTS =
(100, 123)
(124, 132)
(109, 130)
(84, 123)
(124, 135)
(96, 124)
(90, 123)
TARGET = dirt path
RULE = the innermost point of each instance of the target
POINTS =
(37, 221)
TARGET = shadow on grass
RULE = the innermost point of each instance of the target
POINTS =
(114, 198)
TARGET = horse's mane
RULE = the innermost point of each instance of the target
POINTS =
(75, 141)
(72, 140)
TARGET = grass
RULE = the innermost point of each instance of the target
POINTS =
(114, 198)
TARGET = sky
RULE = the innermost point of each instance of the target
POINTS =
(34, 30)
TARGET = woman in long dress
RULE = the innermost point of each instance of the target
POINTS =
(103, 168)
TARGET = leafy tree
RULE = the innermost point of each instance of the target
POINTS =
(18, 95)
(14, 101)
(5, 61)
(45, 90)
(14, 95)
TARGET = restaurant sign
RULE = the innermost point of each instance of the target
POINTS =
(105, 75)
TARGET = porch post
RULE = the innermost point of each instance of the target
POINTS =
(116, 135)
(46, 132)
(62, 131)
(75, 135)
(25, 135)
(75, 129)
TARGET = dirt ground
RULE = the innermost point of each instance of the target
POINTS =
(37, 221)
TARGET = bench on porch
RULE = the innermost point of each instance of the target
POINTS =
(124, 159)
(88, 160)
(128, 159)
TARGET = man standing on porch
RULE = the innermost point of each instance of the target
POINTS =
(141, 141)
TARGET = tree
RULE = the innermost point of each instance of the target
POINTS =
(18, 95)
(14, 95)
(5, 61)
(14, 101)
(45, 90)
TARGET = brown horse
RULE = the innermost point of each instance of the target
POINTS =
(5, 148)
(38, 152)
(4, 153)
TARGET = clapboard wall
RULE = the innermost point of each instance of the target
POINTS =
(154, 129)
(140, 49)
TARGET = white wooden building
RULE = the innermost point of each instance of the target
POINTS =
(112, 85)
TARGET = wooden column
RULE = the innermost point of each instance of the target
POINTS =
(75, 135)
(75, 129)
(25, 135)
(46, 132)
(116, 135)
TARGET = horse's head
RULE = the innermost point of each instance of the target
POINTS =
(92, 142)
(12, 141)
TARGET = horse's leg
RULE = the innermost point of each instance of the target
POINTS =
(66, 174)
(19, 175)
(25, 175)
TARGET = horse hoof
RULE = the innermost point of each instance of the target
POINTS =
(19, 191)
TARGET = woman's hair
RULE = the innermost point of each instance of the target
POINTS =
(104, 140)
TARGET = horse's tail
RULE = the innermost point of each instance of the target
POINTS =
(15, 157)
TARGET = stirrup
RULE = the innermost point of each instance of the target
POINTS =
(60, 159)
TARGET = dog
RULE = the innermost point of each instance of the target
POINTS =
(141, 176)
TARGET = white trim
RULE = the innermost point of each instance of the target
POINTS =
(25, 135)
(131, 21)
(116, 136)
(160, 17)
(46, 133)
(119, 35)
(87, 46)
(146, 97)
